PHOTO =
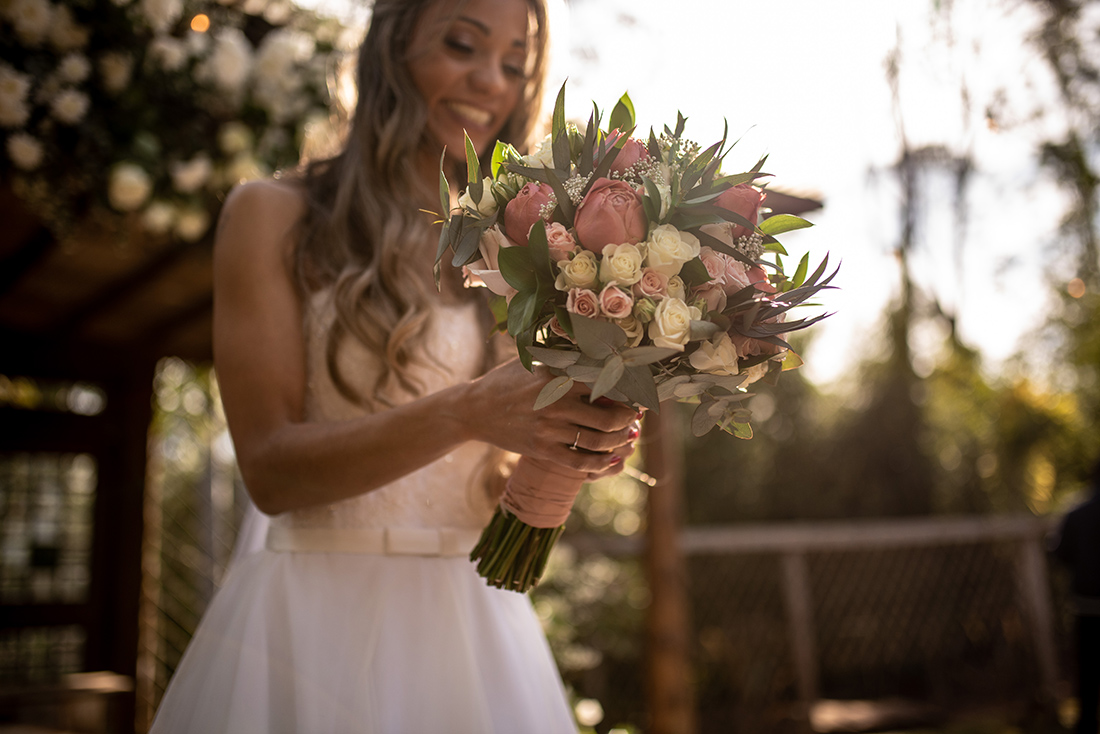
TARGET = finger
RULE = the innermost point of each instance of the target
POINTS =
(601, 442)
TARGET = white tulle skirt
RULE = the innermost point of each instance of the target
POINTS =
(344, 643)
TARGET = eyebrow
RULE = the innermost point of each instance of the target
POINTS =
(485, 29)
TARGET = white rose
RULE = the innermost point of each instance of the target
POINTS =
(69, 106)
(160, 15)
(667, 249)
(622, 264)
(189, 176)
(486, 270)
(74, 68)
(65, 33)
(666, 198)
(128, 187)
(14, 87)
(676, 288)
(169, 53)
(234, 137)
(25, 151)
(192, 224)
(634, 329)
(486, 206)
(580, 272)
(159, 217)
(671, 324)
(718, 357)
(31, 18)
(543, 157)
(115, 68)
(230, 62)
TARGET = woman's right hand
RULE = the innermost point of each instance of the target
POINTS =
(500, 410)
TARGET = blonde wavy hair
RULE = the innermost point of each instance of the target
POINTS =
(364, 221)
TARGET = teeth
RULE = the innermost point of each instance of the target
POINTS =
(471, 113)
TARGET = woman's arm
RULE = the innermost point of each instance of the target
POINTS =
(260, 358)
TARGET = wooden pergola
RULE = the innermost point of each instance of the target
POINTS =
(97, 309)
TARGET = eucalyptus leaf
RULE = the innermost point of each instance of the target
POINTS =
(688, 389)
(638, 385)
(741, 430)
(556, 358)
(553, 391)
(597, 339)
(646, 355)
(609, 376)
(701, 330)
(666, 388)
(701, 420)
(583, 373)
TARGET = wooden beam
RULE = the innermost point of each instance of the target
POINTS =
(670, 698)
(126, 286)
(801, 634)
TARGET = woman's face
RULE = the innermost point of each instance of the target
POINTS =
(470, 67)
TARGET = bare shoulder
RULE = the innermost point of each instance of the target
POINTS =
(260, 220)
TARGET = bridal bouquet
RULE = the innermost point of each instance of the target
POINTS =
(634, 266)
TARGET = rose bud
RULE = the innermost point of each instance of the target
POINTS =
(610, 214)
(631, 152)
(527, 208)
(743, 199)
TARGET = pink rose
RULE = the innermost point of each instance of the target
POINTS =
(631, 152)
(583, 302)
(526, 209)
(559, 240)
(743, 199)
(712, 296)
(715, 263)
(737, 277)
(555, 327)
(652, 285)
(615, 302)
(610, 214)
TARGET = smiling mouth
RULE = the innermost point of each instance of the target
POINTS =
(471, 114)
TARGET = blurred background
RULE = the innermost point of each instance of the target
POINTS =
(873, 559)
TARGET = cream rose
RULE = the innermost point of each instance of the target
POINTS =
(543, 157)
(634, 330)
(486, 205)
(671, 324)
(667, 249)
(622, 264)
(717, 357)
(676, 288)
(580, 272)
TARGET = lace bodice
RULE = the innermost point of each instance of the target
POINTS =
(446, 493)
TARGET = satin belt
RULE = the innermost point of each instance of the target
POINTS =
(440, 542)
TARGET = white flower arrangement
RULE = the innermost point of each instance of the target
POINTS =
(118, 107)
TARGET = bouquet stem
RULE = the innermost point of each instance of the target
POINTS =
(515, 545)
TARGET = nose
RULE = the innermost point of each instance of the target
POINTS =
(489, 77)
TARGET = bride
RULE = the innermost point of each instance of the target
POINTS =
(370, 416)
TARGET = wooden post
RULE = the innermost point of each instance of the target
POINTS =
(1035, 597)
(800, 628)
(669, 674)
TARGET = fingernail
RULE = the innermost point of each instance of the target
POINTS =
(639, 414)
(616, 460)
(633, 434)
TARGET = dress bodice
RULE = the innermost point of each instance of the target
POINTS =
(449, 492)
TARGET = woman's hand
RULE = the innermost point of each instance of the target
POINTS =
(593, 438)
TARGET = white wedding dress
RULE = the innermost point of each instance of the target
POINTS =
(366, 616)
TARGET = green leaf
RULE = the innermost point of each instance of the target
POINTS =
(792, 361)
(701, 420)
(524, 340)
(466, 249)
(622, 116)
(553, 391)
(781, 223)
(609, 376)
(694, 273)
(539, 249)
(558, 120)
(522, 312)
(518, 268)
(556, 358)
(740, 430)
(799, 276)
(444, 191)
(597, 339)
(473, 169)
